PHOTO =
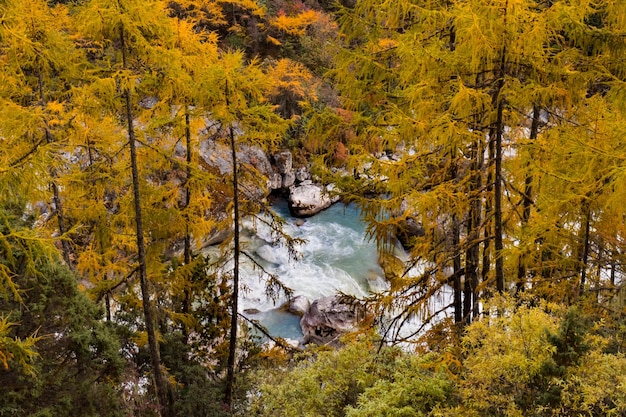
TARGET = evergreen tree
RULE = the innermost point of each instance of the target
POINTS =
(71, 360)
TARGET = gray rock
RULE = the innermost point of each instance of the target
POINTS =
(407, 230)
(298, 305)
(302, 174)
(308, 199)
(218, 155)
(148, 103)
(283, 162)
(275, 181)
(255, 156)
(289, 179)
(328, 318)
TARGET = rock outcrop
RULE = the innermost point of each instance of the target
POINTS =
(408, 230)
(328, 318)
(283, 175)
(298, 305)
(218, 155)
(308, 199)
(305, 197)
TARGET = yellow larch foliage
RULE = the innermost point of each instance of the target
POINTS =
(295, 24)
(293, 77)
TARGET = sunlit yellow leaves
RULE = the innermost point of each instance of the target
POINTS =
(469, 102)
(273, 40)
(387, 43)
(504, 352)
(291, 78)
(295, 25)
(16, 352)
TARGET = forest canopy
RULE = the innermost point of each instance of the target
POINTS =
(483, 139)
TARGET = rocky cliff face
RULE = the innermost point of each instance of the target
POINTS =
(305, 197)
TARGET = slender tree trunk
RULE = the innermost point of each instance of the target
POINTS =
(473, 224)
(613, 267)
(230, 377)
(456, 227)
(527, 200)
(56, 198)
(149, 317)
(497, 214)
(498, 101)
(186, 307)
(456, 265)
(584, 258)
(488, 233)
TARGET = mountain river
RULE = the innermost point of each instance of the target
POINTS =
(335, 258)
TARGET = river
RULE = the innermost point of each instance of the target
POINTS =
(335, 258)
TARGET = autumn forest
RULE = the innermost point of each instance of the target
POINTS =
(483, 143)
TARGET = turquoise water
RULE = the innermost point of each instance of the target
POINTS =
(335, 258)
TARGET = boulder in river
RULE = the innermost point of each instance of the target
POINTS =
(308, 199)
(298, 305)
(328, 318)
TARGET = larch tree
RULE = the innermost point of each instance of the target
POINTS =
(133, 40)
(453, 93)
(243, 118)
(175, 88)
(41, 66)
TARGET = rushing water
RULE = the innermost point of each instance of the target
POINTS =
(335, 258)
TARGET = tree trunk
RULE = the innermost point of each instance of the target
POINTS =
(473, 227)
(56, 199)
(456, 264)
(497, 197)
(149, 317)
(488, 233)
(186, 307)
(584, 257)
(527, 200)
(230, 376)
(498, 101)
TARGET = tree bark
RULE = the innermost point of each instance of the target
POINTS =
(149, 317)
(584, 257)
(456, 265)
(56, 198)
(527, 200)
(488, 233)
(497, 215)
(473, 227)
(498, 101)
(230, 376)
(186, 307)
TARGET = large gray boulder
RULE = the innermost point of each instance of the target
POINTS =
(308, 199)
(328, 318)
(275, 181)
(283, 162)
(298, 305)
(218, 155)
(289, 179)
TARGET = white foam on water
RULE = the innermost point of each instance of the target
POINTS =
(334, 259)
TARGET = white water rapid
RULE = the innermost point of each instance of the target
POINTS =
(335, 258)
